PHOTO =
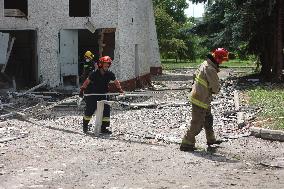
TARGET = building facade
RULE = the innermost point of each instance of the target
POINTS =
(50, 38)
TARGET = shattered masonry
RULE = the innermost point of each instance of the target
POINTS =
(133, 21)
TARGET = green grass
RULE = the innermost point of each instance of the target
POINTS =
(170, 64)
(271, 99)
(239, 64)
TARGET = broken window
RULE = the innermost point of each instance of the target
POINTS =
(15, 8)
(79, 8)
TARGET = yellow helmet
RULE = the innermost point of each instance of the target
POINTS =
(89, 54)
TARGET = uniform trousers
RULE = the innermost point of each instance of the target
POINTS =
(201, 118)
(91, 107)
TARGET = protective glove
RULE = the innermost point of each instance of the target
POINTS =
(120, 91)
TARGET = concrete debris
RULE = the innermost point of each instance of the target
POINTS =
(154, 104)
(241, 119)
(164, 116)
(145, 141)
(267, 134)
(32, 89)
(236, 99)
(276, 163)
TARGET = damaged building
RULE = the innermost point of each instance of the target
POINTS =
(44, 41)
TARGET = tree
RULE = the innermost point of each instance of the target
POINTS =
(174, 8)
(247, 27)
(171, 23)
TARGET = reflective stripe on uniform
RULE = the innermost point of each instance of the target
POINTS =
(201, 81)
(198, 103)
(87, 118)
(106, 119)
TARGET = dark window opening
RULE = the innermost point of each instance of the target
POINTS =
(109, 42)
(79, 8)
(21, 67)
(70, 80)
(15, 8)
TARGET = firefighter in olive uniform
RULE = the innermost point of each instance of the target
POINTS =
(97, 83)
(206, 83)
(89, 65)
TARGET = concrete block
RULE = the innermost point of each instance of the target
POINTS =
(272, 134)
(268, 134)
(255, 131)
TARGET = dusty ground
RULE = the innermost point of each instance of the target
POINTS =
(142, 152)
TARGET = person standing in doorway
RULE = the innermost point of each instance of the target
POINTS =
(89, 65)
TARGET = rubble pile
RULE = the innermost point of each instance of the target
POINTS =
(161, 118)
(169, 123)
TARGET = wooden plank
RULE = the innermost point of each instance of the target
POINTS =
(13, 13)
(99, 117)
(10, 46)
(4, 41)
(34, 88)
(236, 100)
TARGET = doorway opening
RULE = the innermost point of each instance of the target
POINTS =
(20, 70)
(74, 44)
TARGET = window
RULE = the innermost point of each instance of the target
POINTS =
(79, 8)
(15, 8)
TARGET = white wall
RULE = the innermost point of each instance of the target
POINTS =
(47, 17)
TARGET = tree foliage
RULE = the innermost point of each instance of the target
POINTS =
(246, 27)
(172, 26)
(174, 8)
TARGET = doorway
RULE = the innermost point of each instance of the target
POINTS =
(21, 67)
(74, 44)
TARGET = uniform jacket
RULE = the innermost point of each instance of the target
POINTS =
(88, 67)
(206, 83)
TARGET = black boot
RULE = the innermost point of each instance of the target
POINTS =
(215, 142)
(85, 126)
(104, 128)
(187, 147)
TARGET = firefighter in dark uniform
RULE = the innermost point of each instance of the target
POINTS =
(97, 83)
(89, 65)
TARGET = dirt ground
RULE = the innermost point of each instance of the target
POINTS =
(143, 152)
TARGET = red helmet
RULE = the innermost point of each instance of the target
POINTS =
(104, 59)
(220, 55)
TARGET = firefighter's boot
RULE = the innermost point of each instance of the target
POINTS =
(187, 146)
(85, 126)
(208, 126)
(217, 142)
(105, 126)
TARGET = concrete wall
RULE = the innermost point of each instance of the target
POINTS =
(132, 19)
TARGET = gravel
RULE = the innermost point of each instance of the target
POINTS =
(143, 151)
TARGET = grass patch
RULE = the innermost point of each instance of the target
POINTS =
(271, 100)
(239, 64)
(171, 64)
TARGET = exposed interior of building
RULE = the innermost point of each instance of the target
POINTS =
(21, 67)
